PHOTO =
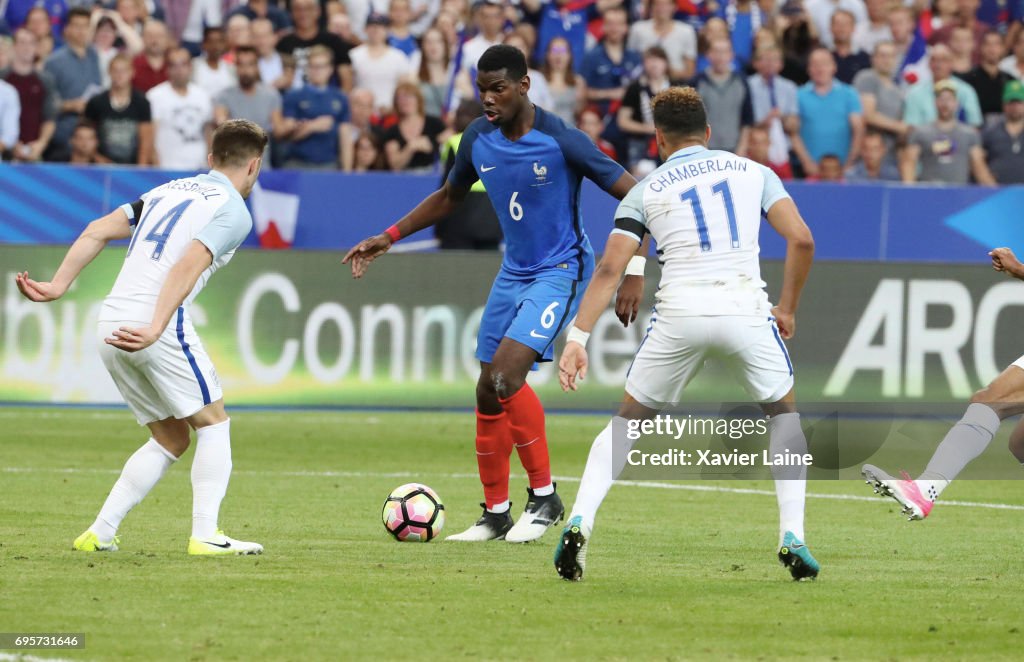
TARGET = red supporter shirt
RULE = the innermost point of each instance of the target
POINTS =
(32, 93)
(146, 77)
(783, 170)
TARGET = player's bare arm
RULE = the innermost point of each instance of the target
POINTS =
(631, 290)
(618, 251)
(1004, 260)
(180, 281)
(432, 209)
(786, 219)
(93, 239)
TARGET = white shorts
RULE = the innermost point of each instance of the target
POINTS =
(675, 348)
(172, 378)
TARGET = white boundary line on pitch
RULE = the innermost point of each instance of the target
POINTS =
(686, 487)
(17, 657)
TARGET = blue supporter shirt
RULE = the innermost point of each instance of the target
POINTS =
(74, 77)
(569, 22)
(277, 16)
(742, 35)
(1000, 13)
(601, 73)
(17, 11)
(407, 45)
(310, 102)
(534, 186)
(825, 120)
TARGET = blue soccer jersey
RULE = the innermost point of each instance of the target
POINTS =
(534, 185)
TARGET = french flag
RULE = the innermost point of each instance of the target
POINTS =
(911, 70)
(274, 202)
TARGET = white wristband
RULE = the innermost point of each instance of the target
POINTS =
(577, 335)
(636, 265)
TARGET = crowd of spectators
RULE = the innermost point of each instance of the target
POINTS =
(829, 90)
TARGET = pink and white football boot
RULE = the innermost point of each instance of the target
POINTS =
(904, 490)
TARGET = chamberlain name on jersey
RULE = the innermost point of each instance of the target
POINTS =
(164, 222)
(534, 185)
(703, 208)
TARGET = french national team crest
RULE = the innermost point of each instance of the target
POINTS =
(541, 172)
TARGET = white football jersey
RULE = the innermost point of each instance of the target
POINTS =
(165, 220)
(703, 208)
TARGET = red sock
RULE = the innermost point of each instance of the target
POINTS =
(493, 448)
(526, 420)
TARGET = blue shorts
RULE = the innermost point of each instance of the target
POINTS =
(531, 312)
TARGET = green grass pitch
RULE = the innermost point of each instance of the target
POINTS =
(672, 574)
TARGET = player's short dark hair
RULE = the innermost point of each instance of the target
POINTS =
(680, 112)
(83, 124)
(248, 50)
(237, 141)
(210, 29)
(481, 4)
(80, 12)
(505, 57)
(656, 51)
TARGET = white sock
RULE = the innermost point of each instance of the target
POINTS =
(141, 472)
(500, 507)
(965, 441)
(786, 436)
(211, 470)
(547, 490)
(601, 470)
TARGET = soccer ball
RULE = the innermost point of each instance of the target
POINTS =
(413, 513)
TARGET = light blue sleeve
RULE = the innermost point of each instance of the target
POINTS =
(773, 189)
(788, 103)
(632, 206)
(853, 100)
(10, 115)
(228, 229)
(971, 105)
(914, 109)
(630, 216)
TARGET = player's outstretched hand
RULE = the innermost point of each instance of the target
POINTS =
(133, 340)
(36, 291)
(1003, 259)
(627, 301)
(365, 252)
(785, 321)
(572, 366)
